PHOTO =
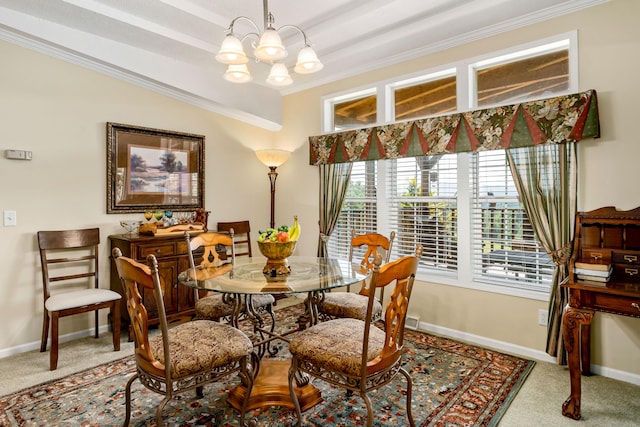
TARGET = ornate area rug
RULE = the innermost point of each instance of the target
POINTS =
(454, 384)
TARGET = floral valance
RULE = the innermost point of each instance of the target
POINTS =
(569, 118)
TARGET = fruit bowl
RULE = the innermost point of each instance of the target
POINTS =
(277, 254)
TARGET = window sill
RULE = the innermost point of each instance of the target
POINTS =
(485, 287)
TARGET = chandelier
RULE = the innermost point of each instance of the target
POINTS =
(268, 48)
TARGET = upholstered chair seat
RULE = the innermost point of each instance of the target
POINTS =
(337, 345)
(214, 307)
(347, 304)
(201, 345)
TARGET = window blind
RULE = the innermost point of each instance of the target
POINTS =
(359, 210)
(422, 209)
(505, 249)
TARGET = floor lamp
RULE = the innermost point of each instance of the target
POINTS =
(273, 159)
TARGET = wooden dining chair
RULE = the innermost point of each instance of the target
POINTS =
(242, 234)
(69, 260)
(349, 304)
(355, 354)
(185, 357)
(215, 305)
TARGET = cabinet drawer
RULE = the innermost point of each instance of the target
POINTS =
(601, 255)
(617, 304)
(181, 248)
(624, 272)
(159, 250)
(626, 257)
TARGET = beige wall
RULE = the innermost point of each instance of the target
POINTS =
(59, 111)
(609, 39)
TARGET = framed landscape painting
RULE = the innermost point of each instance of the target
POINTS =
(153, 169)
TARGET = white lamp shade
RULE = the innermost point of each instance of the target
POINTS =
(279, 75)
(231, 51)
(270, 47)
(238, 74)
(273, 158)
(307, 61)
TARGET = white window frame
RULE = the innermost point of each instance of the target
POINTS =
(466, 100)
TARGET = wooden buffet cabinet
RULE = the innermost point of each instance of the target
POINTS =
(606, 236)
(173, 257)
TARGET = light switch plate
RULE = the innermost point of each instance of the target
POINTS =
(10, 219)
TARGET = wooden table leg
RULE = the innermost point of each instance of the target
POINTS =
(271, 388)
(573, 320)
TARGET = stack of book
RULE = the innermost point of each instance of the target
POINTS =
(596, 272)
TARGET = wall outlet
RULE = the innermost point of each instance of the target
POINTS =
(543, 316)
(412, 322)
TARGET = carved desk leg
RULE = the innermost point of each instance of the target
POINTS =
(573, 319)
(585, 348)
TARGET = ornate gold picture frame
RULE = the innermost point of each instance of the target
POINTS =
(153, 169)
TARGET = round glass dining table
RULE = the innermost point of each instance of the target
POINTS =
(245, 276)
(244, 279)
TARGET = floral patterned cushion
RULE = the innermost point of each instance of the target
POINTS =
(214, 307)
(201, 345)
(336, 345)
(348, 304)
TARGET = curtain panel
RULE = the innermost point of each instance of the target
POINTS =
(557, 120)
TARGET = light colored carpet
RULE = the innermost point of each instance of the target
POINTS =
(605, 402)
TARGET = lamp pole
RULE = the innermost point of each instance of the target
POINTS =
(272, 158)
(272, 179)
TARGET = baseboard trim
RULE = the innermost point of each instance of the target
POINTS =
(35, 345)
(521, 351)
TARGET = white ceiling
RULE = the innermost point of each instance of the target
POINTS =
(169, 45)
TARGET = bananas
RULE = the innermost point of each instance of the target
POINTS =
(294, 230)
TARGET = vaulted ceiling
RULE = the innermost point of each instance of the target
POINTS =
(170, 45)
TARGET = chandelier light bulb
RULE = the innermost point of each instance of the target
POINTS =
(270, 47)
(279, 75)
(231, 51)
(307, 61)
(238, 73)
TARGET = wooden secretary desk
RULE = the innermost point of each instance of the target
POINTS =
(604, 236)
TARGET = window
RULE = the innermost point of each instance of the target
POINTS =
(527, 74)
(353, 110)
(464, 208)
(431, 95)
(504, 247)
(422, 209)
(359, 209)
